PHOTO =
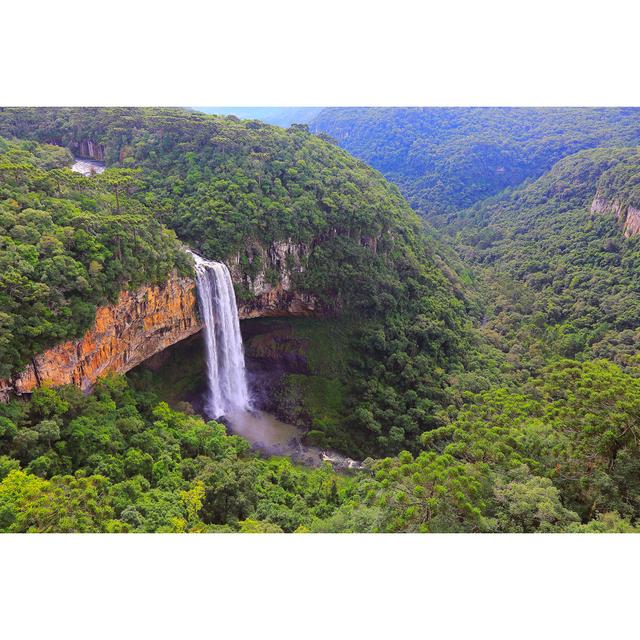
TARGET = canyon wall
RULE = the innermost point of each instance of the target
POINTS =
(89, 149)
(270, 286)
(626, 214)
(145, 322)
(141, 324)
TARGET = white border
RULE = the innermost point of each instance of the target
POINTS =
(305, 586)
(335, 52)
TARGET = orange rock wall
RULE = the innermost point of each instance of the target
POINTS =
(141, 324)
(145, 322)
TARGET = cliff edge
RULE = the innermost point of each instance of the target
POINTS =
(141, 324)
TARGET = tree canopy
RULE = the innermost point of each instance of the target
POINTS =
(66, 247)
(447, 159)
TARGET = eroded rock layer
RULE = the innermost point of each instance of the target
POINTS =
(141, 324)
(626, 214)
(271, 287)
(145, 322)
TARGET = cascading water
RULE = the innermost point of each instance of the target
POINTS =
(227, 389)
(227, 393)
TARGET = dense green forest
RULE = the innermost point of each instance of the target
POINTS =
(446, 159)
(555, 280)
(560, 455)
(118, 461)
(224, 185)
(66, 247)
(559, 280)
(487, 375)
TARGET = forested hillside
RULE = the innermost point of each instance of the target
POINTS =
(225, 185)
(557, 275)
(556, 262)
(446, 159)
(505, 391)
(66, 246)
(561, 279)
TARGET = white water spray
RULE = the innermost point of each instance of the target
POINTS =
(227, 389)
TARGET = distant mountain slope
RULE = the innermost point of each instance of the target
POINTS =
(280, 116)
(562, 277)
(446, 159)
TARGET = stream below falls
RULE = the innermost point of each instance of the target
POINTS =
(272, 437)
(87, 167)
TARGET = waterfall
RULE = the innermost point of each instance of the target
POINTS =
(227, 385)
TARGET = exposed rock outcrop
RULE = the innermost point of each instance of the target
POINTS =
(277, 302)
(141, 324)
(632, 222)
(145, 322)
(626, 214)
(272, 285)
(604, 206)
(89, 149)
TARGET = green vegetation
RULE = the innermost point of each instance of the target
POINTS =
(562, 455)
(377, 379)
(559, 280)
(121, 461)
(66, 246)
(447, 159)
(551, 446)
(226, 186)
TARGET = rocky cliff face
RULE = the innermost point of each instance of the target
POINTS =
(89, 149)
(145, 322)
(271, 286)
(627, 215)
(632, 222)
(141, 324)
